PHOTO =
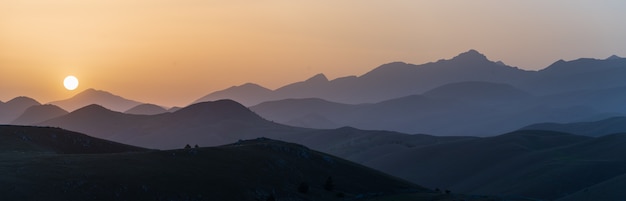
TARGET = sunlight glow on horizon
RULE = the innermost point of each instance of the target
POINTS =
(171, 53)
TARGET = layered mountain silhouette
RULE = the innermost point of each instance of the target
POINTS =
(497, 165)
(578, 157)
(248, 170)
(593, 128)
(247, 94)
(481, 97)
(206, 124)
(398, 79)
(93, 96)
(10, 110)
(387, 81)
(39, 113)
(146, 109)
(475, 108)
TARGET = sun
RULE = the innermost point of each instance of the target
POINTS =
(70, 82)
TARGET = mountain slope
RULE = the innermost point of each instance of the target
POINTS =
(39, 113)
(146, 109)
(93, 96)
(579, 74)
(536, 164)
(477, 108)
(246, 94)
(248, 170)
(28, 139)
(594, 129)
(10, 110)
(206, 124)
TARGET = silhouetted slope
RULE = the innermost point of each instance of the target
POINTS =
(173, 109)
(558, 172)
(93, 96)
(146, 109)
(607, 190)
(365, 145)
(579, 74)
(476, 91)
(10, 110)
(444, 165)
(20, 139)
(39, 113)
(476, 108)
(299, 110)
(206, 124)
(249, 170)
(594, 129)
(98, 121)
(538, 164)
(246, 94)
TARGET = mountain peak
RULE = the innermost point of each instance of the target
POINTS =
(612, 57)
(318, 78)
(23, 99)
(219, 109)
(92, 108)
(94, 96)
(471, 55)
(94, 92)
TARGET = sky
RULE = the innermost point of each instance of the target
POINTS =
(171, 52)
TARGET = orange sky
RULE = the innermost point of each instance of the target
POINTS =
(172, 52)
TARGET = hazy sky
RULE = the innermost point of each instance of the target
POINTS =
(171, 52)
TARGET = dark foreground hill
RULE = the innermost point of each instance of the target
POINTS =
(539, 164)
(27, 139)
(260, 169)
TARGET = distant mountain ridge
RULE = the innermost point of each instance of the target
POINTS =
(93, 96)
(146, 109)
(399, 79)
(599, 128)
(10, 110)
(38, 113)
(385, 82)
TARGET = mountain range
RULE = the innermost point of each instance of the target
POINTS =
(398, 79)
(94, 96)
(475, 165)
(388, 81)
(481, 97)
(463, 114)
